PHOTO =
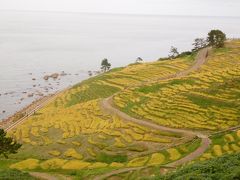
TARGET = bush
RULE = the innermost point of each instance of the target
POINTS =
(216, 38)
(14, 174)
(222, 168)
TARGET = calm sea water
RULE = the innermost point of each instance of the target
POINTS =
(35, 44)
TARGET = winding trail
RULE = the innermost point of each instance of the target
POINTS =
(46, 176)
(108, 106)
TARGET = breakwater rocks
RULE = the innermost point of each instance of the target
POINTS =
(54, 76)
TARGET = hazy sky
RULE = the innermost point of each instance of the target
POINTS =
(163, 7)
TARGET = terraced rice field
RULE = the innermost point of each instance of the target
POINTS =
(207, 99)
(224, 143)
(74, 133)
(82, 132)
(107, 84)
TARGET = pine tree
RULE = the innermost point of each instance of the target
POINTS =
(216, 38)
(105, 65)
(7, 144)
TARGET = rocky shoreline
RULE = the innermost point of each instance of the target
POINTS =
(42, 95)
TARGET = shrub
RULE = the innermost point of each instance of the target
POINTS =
(14, 174)
(222, 168)
(7, 144)
(216, 38)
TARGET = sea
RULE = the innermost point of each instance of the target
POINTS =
(36, 44)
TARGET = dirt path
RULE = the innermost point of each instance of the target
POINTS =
(46, 176)
(107, 105)
(199, 61)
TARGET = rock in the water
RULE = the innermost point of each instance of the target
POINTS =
(34, 79)
(40, 94)
(30, 95)
(46, 77)
(63, 73)
(54, 76)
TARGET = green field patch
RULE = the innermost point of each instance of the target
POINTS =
(150, 89)
(109, 158)
(182, 81)
(205, 102)
(94, 91)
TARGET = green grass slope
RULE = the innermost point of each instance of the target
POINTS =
(222, 168)
(7, 174)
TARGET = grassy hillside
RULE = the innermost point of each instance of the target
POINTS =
(74, 135)
(14, 174)
(206, 99)
(222, 168)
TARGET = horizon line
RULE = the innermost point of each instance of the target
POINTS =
(116, 14)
